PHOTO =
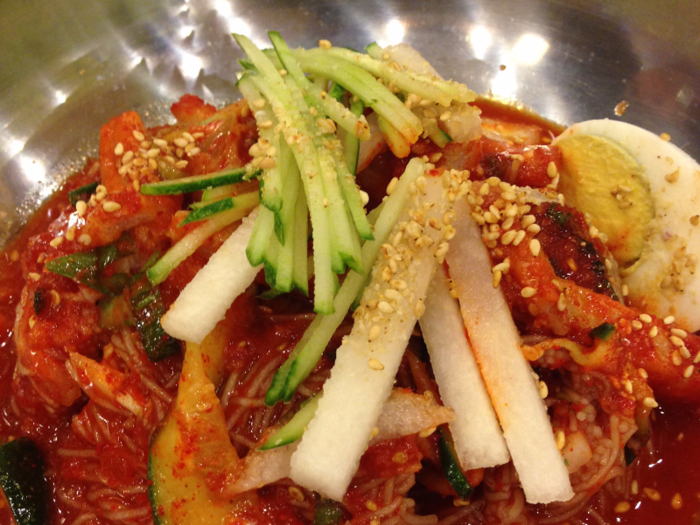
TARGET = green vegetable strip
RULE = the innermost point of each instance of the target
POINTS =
(450, 466)
(328, 104)
(441, 91)
(211, 194)
(352, 145)
(296, 133)
(363, 85)
(336, 91)
(198, 182)
(285, 258)
(346, 248)
(374, 50)
(190, 242)
(308, 351)
(245, 200)
(300, 274)
(272, 179)
(293, 430)
(80, 193)
(261, 236)
(351, 192)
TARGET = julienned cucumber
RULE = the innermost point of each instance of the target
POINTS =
(450, 466)
(294, 429)
(199, 182)
(204, 210)
(23, 482)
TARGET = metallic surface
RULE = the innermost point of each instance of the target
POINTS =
(67, 66)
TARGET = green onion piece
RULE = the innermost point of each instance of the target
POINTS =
(450, 465)
(80, 193)
(602, 331)
(327, 512)
(294, 429)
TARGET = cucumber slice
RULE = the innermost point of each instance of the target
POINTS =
(450, 465)
(23, 482)
(285, 258)
(397, 143)
(205, 210)
(199, 182)
(212, 194)
(293, 430)
(309, 349)
(352, 143)
(263, 231)
(300, 273)
(374, 50)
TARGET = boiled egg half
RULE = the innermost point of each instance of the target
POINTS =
(643, 194)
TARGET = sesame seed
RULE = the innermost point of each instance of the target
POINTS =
(181, 164)
(654, 331)
(535, 247)
(160, 143)
(688, 371)
(56, 242)
(677, 340)
(259, 104)
(81, 207)
(269, 163)
(676, 358)
(528, 292)
(508, 237)
(193, 152)
(375, 364)
(625, 290)
(643, 373)
(32, 321)
(70, 234)
(128, 157)
(34, 276)
(684, 352)
(326, 44)
(593, 232)
(544, 391)
(146, 144)
(419, 309)
(152, 153)
(385, 307)
(392, 186)
(519, 237)
(85, 239)
(561, 302)
(496, 280)
(634, 487)
(665, 137)
(119, 149)
(534, 229)
(561, 439)
(669, 320)
(680, 333)
(110, 206)
(696, 360)
(188, 136)
(138, 135)
(637, 325)
(283, 72)
(427, 432)
(628, 386)
(676, 501)
(527, 220)
(180, 142)
(650, 402)
(552, 170)
(652, 494)
(646, 318)
(622, 507)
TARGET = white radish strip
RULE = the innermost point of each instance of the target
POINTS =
(204, 301)
(477, 435)
(507, 374)
(367, 361)
(403, 414)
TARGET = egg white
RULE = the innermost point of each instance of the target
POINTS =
(671, 229)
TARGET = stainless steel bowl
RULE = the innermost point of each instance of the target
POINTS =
(67, 66)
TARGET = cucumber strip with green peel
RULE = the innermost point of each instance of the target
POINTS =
(310, 348)
(336, 91)
(300, 272)
(293, 430)
(363, 85)
(211, 194)
(294, 128)
(321, 83)
(190, 242)
(440, 138)
(271, 179)
(450, 466)
(327, 104)
(438, 90)
(199, 182)
(82, 193)
(345, 249)
(206, 211)
(374, 50)
(260, 238)
(397, 143)
(23, 482)
(352, 144)
(245, 200)
(285, 257)
(353, 199)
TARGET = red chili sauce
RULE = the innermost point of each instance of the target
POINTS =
(669, 466)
